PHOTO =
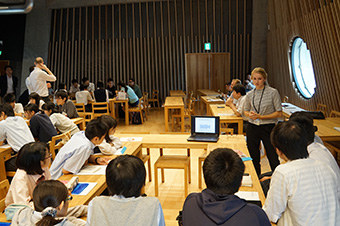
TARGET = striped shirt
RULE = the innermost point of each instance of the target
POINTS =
(270, 103)
(303, 192)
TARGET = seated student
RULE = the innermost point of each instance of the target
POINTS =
(125, 177)
(315, 150)
(79, 150)
(40, 124)
(60, 121)
(9, 98)
(217, 205)
(83, 96)
(33, 163)
(89, 85)
(101, 94)
(51, 200)
(67, 107)
(34, 98)
(15, 130)
(74, 88)
(133, 98)
(302, 191)
(62, 87)
(110, 144)
(111, 88)
(135, 87)
(239, 94)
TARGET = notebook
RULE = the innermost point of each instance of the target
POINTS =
(205, 128)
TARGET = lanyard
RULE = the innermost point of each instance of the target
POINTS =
(258, 111)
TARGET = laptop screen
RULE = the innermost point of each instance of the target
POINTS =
(205, 124)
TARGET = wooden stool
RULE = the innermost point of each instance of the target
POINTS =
(173, 162)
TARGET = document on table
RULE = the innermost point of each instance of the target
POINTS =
(83, 188)
(226, 114)
(337, 128)
(246, 181)
(248, 195)
(120, 151)
(129, 139)
(5, 146)
(92, 170)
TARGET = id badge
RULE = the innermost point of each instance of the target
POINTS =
(257, 122)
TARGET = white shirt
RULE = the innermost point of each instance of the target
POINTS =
(72, 156)
(41, 103)
(37, 82)
(303, 192)
(91, 87)
(63, 123)
(110, 148)
(16, 131)
(83, 97)
(10, 84)
(22, 186)
(18, 108)
(319, 152)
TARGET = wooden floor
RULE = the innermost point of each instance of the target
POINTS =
(171, 192)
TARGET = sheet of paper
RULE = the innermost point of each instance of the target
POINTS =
(226, 114)
(337, 128)
(246, 181)
(83, 188)
(248, 195)
(93, 170)
(129, 139)
(5, 146)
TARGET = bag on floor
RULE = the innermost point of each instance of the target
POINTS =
(136, 118)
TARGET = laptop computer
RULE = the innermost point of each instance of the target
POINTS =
(205, 128)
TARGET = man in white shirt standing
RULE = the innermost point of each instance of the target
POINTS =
(302, 191)
(36, 82)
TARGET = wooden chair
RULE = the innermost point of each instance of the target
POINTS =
(139, 109)
(100, 108)
(146, 102)
(154, 98)
(334, 114)
(188, 112)
(173, 162)
(322, 108)
(4, 186)
(53, 146)
(203, 156)
(145, 157)
(88, 116)
(334, 148)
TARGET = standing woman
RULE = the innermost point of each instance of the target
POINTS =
(263, 107)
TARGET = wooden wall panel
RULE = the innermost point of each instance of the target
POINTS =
(318, 24)
(148, 40)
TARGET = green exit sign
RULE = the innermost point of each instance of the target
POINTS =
(207, 46)
(0, 52)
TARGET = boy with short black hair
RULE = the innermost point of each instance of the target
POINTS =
(101, 94)
(15, 130)
(135, 87)
(302, 191)
(9, 98)
(84, 96)
(217, 205)
(79, 150)
(125, 177)
(74, 88)
(40, 124)
(66, 106)
(111, 88)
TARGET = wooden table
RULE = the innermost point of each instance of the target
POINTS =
(207, 92)
(173, 103)
(227, 115)
(326, 129)
(177, 93)
(114, 101)
(80, 122)
(209, 100)
(156, 141)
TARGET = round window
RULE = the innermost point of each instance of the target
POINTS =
(303, 68)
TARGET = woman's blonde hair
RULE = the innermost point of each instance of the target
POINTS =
(260, 71)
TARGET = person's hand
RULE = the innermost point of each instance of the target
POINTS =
(253, 115)
(103, 160)
(229, 101)
(265, 178)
